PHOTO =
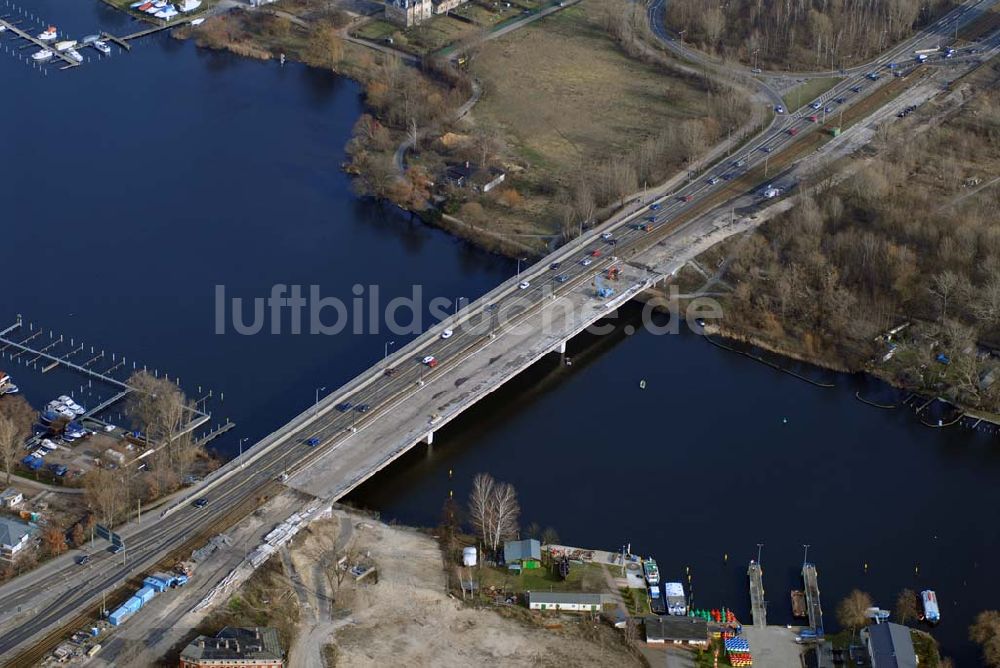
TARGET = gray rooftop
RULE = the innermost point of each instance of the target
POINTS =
(891, 646)
(553, 597)
(672, 627)
(519, 550)
(232, 644)
(12, 531)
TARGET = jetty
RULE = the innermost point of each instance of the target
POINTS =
(810, 579)
(31, 40)
(758, 606)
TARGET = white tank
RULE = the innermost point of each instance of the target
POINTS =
(469, 556)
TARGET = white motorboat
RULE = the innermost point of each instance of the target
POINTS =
(75, 55)
(48, 34)
(65, 45)
(197, 22)
(103, 47)
(41, 54)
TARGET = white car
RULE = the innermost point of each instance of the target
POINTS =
(430, 361)
(523, 285)
(606, 235)
(446, 334)
(586, 262)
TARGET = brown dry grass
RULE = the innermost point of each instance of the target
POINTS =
(566, 94)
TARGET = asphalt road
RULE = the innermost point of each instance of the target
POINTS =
(45, 604)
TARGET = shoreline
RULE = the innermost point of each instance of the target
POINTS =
(733, 335)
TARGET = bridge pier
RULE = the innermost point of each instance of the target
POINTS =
(429, 438)
(561, 348)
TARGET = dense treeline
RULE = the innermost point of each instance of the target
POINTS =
(818, 33)
(912, 236)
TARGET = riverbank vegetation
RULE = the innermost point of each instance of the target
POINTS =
(800, 35)
(575, 120)
(907, 240)
(564, 142)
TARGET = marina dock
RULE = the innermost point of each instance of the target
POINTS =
(758, 606)
(811, 580)
(34, 41)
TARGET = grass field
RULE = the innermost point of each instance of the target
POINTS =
(808, 91)
(566, 95)
(586, 578)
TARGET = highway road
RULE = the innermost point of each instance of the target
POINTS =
(35, 603)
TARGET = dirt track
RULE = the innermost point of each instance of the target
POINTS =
(407, 618)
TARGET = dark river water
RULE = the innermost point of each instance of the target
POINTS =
(132, 187)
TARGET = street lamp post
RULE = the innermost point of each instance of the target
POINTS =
(519, 261)
(242, 440)
(385, 354)
(316, 403)
(759, 547)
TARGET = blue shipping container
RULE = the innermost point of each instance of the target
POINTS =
(155, 583)
(133, 604)
(119, 616)
(181, 580)
(146, 594)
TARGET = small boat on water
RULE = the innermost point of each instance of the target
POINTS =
(41, 54)
(78, 57)
(102, 46)
(932, 613)
(656, 604)
(137, 5)
(63, 46)
(651, 572)
(48, 34)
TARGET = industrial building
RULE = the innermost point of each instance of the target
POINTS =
(253, 647)
(676, 630)
(889, 646)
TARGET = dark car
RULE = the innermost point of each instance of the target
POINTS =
(362, 408)
(555, 265)
(345, 406)
(312, 443)
(856, 89)
(841, 100)
(654, 206)
(85, 559)
(115, 549)
(200, 503)
(390, 372)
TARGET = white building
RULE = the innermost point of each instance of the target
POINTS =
(11, 498)
(408, 13)
(570, 601)
(15, 535)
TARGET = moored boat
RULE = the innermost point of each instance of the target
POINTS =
(650, 572)
(48, 34)
(932, 613)
(65, 45)
(41, 54)
(102, 46)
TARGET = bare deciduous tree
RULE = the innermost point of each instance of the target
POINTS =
(906, 606)
(16, 418)
(852, 611)
(985, 631)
